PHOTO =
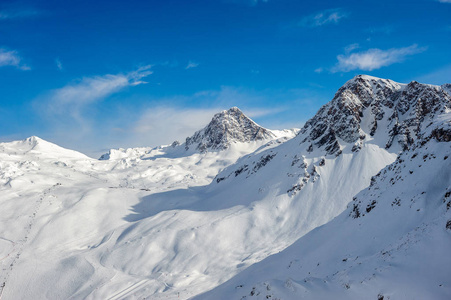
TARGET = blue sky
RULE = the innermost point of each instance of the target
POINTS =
(92, 75)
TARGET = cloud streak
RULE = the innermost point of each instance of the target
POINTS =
(329, 16)
(373, 59)
(92, 89)
(191, 64)
(59, 65)
(12, 58)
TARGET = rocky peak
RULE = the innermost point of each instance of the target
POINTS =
(403, 106)
(227, 127)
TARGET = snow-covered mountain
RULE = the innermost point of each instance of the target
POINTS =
(228, 128)
(231, 126)
(162, 223)
(392, 242)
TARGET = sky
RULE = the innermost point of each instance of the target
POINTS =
(95, 75)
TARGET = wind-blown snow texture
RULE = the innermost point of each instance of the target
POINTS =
(173, 222)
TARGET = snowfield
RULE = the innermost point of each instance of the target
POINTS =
(355, 205)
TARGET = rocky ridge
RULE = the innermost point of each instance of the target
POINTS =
(365, 104)
(227, 127)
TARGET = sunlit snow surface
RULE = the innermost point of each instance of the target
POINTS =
(171, 223)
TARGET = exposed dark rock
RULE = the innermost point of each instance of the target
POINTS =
(225, 128)
(409, 107)
(448, 225)
(371, 206)
(442, 134)
(263, 161)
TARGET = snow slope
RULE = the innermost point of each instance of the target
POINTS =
(63, 205)
(175, 221)
(392, 242)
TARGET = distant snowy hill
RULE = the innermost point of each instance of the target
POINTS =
(173, 222)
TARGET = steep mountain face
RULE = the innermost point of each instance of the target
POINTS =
(366, 103)
(153, 223)
(392, 242)
(227, 127)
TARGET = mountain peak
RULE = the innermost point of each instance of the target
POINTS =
(366, 105)
(227, 127)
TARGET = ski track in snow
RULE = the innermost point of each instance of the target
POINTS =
(18, 246)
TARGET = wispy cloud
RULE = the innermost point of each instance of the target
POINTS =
(352, 47)
(58, 63)
(191, 64)
(444, 1)
(67, 104)
(17, 14)
(329, 16)
(373, 59)
(12, 58)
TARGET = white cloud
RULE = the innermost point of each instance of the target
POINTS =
(59, 65)
(66, 107)
(91, 89)
(12, 58)
(374, 58)
(191, 64)
(329, 16)
(68, 110)
(444, 1)
(319, 70)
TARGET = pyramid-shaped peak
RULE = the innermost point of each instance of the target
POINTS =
(233, 109)
(227, 127)
(233, 112)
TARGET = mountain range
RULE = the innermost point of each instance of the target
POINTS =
(355, 205)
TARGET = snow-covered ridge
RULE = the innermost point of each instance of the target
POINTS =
(367, 105)
(37, 146)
